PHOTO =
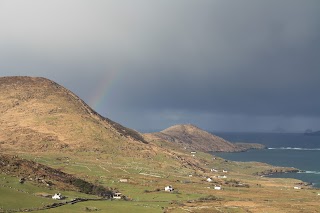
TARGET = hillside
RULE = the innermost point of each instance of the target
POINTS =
(41, 115)
(38, 117)
(46, 176)
(57, 143)
(193, 138)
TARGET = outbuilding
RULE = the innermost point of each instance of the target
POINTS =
(217, 187)
(57, 196)
(117, 195)
(168, 188)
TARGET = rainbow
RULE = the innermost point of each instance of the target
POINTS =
(100, 92)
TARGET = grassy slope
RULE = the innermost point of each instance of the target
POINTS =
(264, 194)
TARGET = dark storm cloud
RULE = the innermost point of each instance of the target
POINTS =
(218, 64)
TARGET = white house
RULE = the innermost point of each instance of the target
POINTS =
(57, 196)
(123, 180)
(168, 188)
(217, 187)
(193, 152)
(209, 179)
(297, 187)
(225, 171)
(117, 195)
(222, 177)
(214, 170)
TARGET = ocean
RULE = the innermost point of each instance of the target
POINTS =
(284, 149)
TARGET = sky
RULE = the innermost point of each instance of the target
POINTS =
(246, 65)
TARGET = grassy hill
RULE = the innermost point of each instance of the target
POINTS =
(42, 115)
(193, 138)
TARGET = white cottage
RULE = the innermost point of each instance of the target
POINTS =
(217, 187)
(57, 196)
(117, 195)
(168, 188)
(209, 179)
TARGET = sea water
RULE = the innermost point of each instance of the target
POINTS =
(283, 149)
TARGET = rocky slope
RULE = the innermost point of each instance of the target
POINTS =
(193, 138)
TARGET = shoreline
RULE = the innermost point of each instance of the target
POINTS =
(280, 170)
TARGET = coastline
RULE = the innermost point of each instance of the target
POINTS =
(277, 171)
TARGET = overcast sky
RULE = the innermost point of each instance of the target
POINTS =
(245, 65)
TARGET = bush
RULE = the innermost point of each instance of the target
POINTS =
(90, 188)
(209, 198)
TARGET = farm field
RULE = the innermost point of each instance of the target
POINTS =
(145, 188)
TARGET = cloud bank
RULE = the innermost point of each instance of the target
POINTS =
(223, 65)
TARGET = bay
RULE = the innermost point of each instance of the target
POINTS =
(284, 149)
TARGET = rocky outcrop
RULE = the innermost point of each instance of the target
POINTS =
(248, 146)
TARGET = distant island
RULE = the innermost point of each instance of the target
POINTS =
(312, 133)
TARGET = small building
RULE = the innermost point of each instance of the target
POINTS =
(222, 177)
(193, 152)
(213, 170)
(57, 196)
(217, 187)
(123, 180)
(224, 171)
(209, 180)
(117, 195)
(297, 187)
(168, 188)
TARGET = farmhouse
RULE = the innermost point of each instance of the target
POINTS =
(217, 187)
(57, 196)
(209, 179)
(117, 195)
(168, 188)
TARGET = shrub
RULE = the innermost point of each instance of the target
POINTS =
(90, 188)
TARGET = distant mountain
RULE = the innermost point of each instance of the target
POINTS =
(192, 137)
